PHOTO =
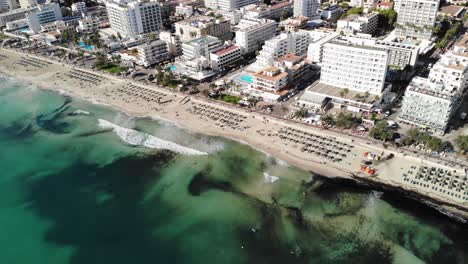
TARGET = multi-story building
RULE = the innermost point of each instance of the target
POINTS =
(359, 68)
(251, 33)
(212, 4)
(307, 8)
(15, 14)
(17, 24)
(332, 13)
(44, 14)
(174, 44)
(200, 47)
(270, 79)
(152, 53)
(318, 39)
(432, 102)
(274, 11)
(79, 8)
(53, 26)
(7, 5)
(224, 57)
(132, 18)
(296, 66)
(200, 26)
(30, 3)
(89, 24)
(184, 10)
(366, 24)
(400, 54)
(294, 24)
(229, 5)
(429, 105)
(292, 42)
(416, 18)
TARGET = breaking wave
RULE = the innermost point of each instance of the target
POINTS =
(137, 138)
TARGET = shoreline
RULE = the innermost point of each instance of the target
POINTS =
(111, 93)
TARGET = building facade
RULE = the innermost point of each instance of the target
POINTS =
(270, 79)
(132, 18)
(230, 5)
(292, 42)
(307, 8)
(79, 8)
(200, 47)
(45, 13)
(200, 26)
(7, 5)
(15, 14)
(416, 18)
(251, 33)
(174, 44)
(225, 57)
(366, 24)
(358, 68)
(152, 53)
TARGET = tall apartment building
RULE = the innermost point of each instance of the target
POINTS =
(230, 5)
(251, 33)
(7, 5)
(359, 68)
(212, 4)
(307, 8)
(276, 47)
(432, 102)
(45, 13)
(428, 105)
(366, 24)
(318, 39)
(199, 26)
(416, 18)
(152, 53)
(131, 18)
(174, 44)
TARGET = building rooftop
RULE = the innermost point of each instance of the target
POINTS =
(199, 21)
(275, 77)
(425, 86)
(451, 10)
(463, 42)
(334, 92)
(290, 57)
(226, 50)
(203, 40)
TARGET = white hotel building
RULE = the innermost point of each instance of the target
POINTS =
(152, 53)
(230, 5)
(359, 68)
(132, 18)
(251, 33)
(307, 8)
(432, 102)
(278, 46)
(416, 18)
(45, 13)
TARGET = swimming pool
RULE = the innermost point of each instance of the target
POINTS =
(246, 78)
(86, 47)
(173, 68)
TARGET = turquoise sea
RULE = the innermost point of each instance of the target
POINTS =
(82, 183)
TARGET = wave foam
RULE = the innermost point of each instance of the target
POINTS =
(137, 138)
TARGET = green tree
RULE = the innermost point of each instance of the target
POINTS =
(462, 143)
(327, 120)
(344, 92)
(381, 131)
(346, 120)
(387, 19)
(301, 113)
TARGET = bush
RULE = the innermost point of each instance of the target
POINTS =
(229, 98)
(301, 113)
(462, 143)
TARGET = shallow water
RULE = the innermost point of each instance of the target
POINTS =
(72, 191)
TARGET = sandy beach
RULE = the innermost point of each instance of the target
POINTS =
(320, 151)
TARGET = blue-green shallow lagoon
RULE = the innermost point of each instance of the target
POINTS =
(75, 191)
